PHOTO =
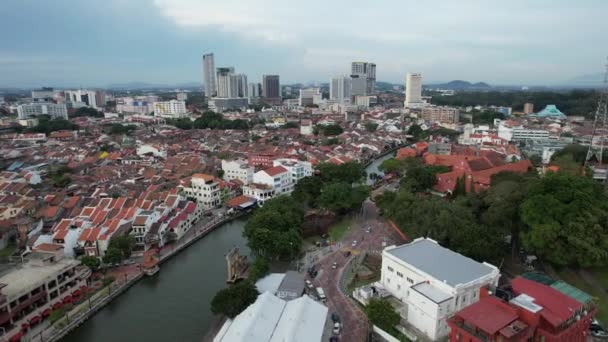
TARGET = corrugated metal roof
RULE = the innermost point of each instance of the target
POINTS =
(572, 292)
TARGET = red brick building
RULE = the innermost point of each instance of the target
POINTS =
(537, 313)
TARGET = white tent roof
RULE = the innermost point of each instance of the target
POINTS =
(302, 321)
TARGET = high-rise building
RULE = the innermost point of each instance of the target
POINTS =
(358, 85)
(45, 94)
(55, 111)
(367, 71)
(88, 97)
(170, 109)
(340, 88)
(440, 114)
(241, 85)
(271, 87)
(209, 75)
(230, 85)
(528, 108)
(309, 96)
(413, 91)
(254, 90)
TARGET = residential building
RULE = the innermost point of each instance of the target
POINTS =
(506, 111)
(298, 169)
(272, 319)
(440, 114)
(278, 177)
(413, 91)
(271, 87)
(512, 131)
(238, 169)
(254, 90)
(366, 71)
(91, 98)
(45, 281)
(528, 108)
(220, 104)
(340, 88)
(170, 109)
(209, 75)
(30, 110)
(260, 192)
(537, 312)
(433, 282)
(45, 94)
(358, 85)
(366, 101)
(226, 86)
(205, 189)
(181, 96)
(306, 127)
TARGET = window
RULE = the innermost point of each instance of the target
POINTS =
(390, 268)
(410, 280)
(388, 280)
(400, 274)
(398, 287)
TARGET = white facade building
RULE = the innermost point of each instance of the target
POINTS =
(306, 127)
(91, 98)
(26, 111)
(277, 177)
(309, 96)
(209, 75)
(433, 282)
(413, 91)
(297, 169)
(238, 169)
(340, 89)
(512, 132)
(136, 105)
(205, 189)
(261, 192)
(170, 109)
(366, 73)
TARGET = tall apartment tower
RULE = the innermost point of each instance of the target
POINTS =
(340, 88)
(254, 90)
(271, 87)
(413, 91)
(365, 73)
(209, 75)
(528, 108)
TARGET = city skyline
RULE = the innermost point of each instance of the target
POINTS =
(66, 44)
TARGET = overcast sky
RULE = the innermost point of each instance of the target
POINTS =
(98, 42)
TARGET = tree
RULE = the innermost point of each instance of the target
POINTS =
(567, 219)
(290, 124)
(421, 178)
(91, 262)
(371, 126)
(274, 231)
(307, 190)
(124, 243)
(329, 130)
(382, 314)
(350, 172)
(219, 173)
(258, 269)
(87, 111)
(113, 256)
(47, 125)
(391, 165)
(117, 128)
(415, 131)
(233, 300)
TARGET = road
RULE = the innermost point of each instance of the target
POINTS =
(353, 318)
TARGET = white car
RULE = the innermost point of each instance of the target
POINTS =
(308, 284)
(336, 328)
(355, 243)
(334, 265)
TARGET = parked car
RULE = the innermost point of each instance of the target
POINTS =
(346, 254)
(335, 318)
(308, 284)
(334, 265)
(337, 328)
(355, 243)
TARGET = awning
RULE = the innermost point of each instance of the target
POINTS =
(25, 326)
(67, 300)
(17, 337)
(36, 319)
(46, 312)
(57, 305)
(76, 293)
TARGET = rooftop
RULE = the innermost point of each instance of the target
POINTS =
(431, 292)
(29, 276)
(441, 263)
(489, 314)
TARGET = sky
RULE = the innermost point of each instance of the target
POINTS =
(95, 43)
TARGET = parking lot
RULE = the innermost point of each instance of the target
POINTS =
(354, 321)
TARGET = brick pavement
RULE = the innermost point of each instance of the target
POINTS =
(354, 320)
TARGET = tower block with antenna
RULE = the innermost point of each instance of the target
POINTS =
(595, 152)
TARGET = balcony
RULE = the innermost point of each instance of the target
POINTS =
(28, 302)
(83, 272)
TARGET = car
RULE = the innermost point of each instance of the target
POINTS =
(600, 333)
(337, 328)
(334, 265)
(333, 339)
(308, 284)
(347, 254)
(335, 318)
(355, 243)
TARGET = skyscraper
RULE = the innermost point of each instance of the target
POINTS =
(271, 87)
(209, 75)
(254, 90)
(230, 85)
(340, 88)
(413, 91)
(367, 71)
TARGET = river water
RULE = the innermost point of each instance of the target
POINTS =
(173, 305)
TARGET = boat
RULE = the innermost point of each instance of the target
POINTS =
(150, 271)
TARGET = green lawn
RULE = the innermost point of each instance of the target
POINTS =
(337, 231)
(602, 275)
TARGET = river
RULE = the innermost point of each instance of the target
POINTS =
(173, 305)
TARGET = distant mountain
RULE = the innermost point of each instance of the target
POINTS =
(589, 80)
(461, 85)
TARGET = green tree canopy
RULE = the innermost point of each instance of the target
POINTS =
(350, 172)
(307, 190)
(371, 126)
(113, 255)
(381, 313)
(124, 243)
(233, 300)
(258, 269)
(567, 219)
(91, 262)
(329, 130)
(274, 231)
(342, 197)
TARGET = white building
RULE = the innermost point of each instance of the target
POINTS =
(209, 75)
(205, 189)
(306, 127)
(413, 91)
(238, 169)
(440, 114)
(340, 89)
(365, 71)
(181, 96)
(91, 98)
(309, 96)
(254, 90)
(271, 319)
(26, 111)
(277, 177)
(170, 109)
(297, 169)
(136, 105)
(261, 192)
(433, 283)
(517, 132)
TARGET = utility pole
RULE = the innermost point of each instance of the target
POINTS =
(600, 125)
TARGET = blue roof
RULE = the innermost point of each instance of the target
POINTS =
(550, 110)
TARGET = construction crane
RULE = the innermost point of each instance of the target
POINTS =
(600, 126)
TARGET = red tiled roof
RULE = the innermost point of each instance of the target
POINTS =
(190, 207)
(71, 203)
(203, 176)
(557, 307)
(140, 220)
(273, 171)
(63, 224)
(48, 247)
(237, 201)
(60, 234)
(489, 314)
